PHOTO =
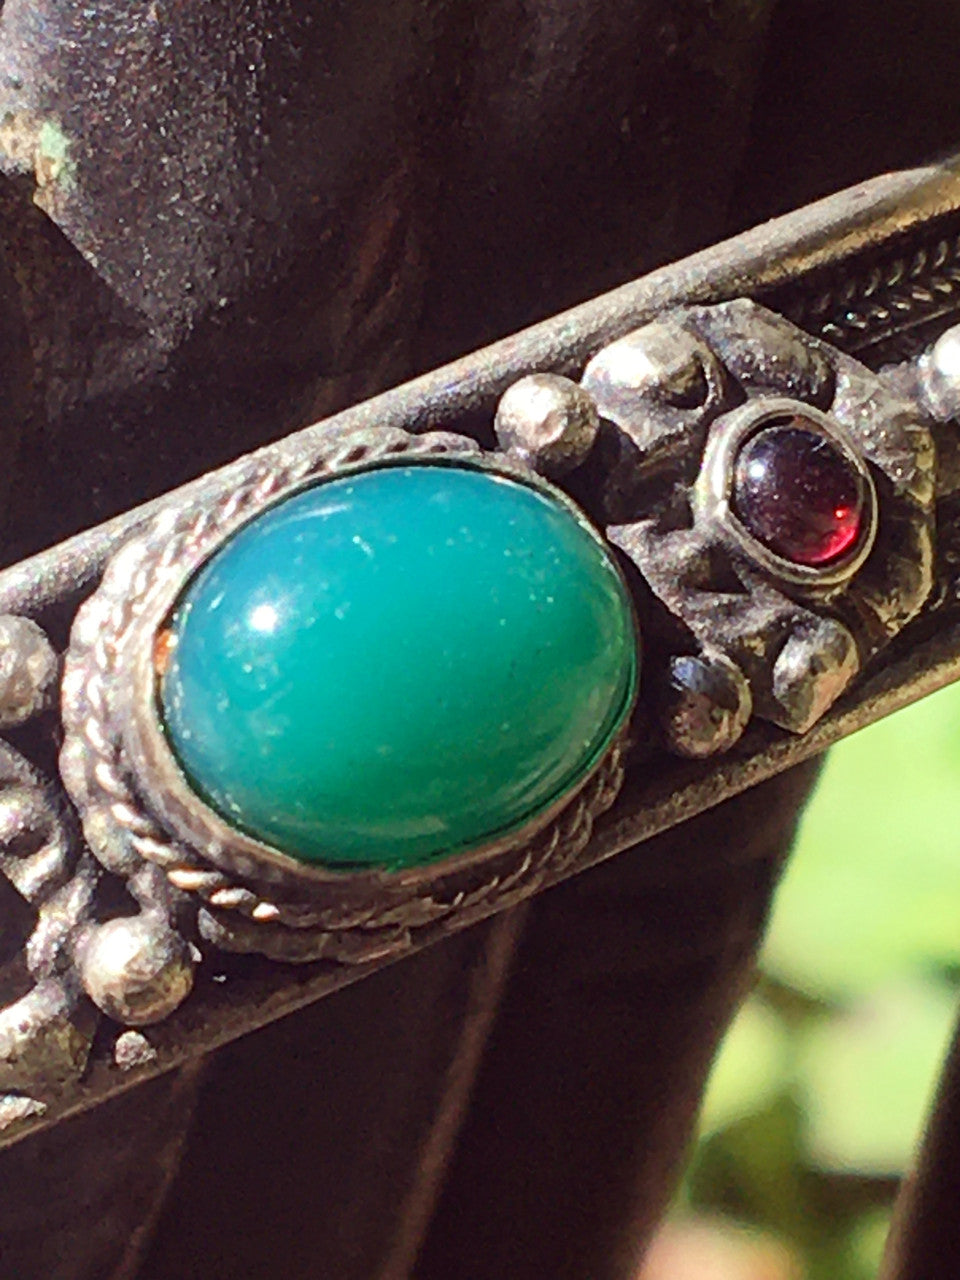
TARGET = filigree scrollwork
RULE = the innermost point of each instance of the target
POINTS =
(47, 887)
(741, 629)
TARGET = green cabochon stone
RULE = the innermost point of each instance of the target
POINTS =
(398, 664)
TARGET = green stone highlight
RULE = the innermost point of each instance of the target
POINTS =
(398, 664)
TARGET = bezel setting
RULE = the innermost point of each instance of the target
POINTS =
(138, 806)
(713, 491)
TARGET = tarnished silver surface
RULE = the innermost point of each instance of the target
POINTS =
(28, 671)
(798, 633)
(869, 271)
(47, 882)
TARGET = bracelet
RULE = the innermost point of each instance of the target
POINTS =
(386, 677)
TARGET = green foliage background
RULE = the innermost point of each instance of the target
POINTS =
(818, 1097)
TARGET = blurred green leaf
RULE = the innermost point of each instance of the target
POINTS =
(873, 889)
(749, 1070)
(866, 1076)
(828, 1072)
(868, 1237)
(750, 1171)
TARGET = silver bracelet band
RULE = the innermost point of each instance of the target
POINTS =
(758, 443)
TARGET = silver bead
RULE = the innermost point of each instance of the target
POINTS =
(939, 369)
(661, 361)
(548, 421)
(706, 704)
(135, 968)
(133, 1050)
(28, 670)
(811, 671)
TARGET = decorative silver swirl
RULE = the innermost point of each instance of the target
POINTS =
(47, 891)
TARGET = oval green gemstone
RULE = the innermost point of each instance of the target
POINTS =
(398, 664)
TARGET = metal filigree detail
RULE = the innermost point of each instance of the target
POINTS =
(227, 888)
(731, 634)
(901, 286)
(48, 887)
(736, 630)
(798, 637)
(47, 890)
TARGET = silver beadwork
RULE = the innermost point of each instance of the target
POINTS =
(547, 421)
(797, 635)
(705, 704)
(939, 370)
(136, 969)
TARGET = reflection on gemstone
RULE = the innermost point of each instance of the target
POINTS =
(798, 494)
(398, 664)
(264, 617)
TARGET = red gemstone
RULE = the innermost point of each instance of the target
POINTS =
(798, 494)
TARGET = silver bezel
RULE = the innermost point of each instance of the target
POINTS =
(714, 486)
(194, 822)
(138, 809)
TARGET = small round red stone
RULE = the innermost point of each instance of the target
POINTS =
(796, 492)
